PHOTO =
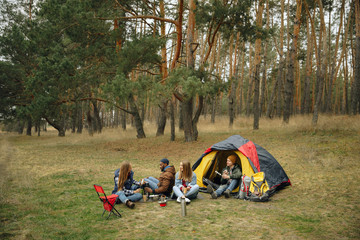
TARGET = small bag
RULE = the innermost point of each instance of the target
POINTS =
(258, 188)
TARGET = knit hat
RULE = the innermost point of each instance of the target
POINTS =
(165, 160)
(232, 158)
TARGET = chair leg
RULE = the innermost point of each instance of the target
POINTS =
(116, 213)
(108, 215)
(103, 213)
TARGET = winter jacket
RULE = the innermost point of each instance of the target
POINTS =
(235, 173)
(166, 181)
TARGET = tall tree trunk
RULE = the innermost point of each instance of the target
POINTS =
(172, 120)
(250, 82)
(279, 79)
(29, 126)
(321, 66)
(305, 105)
(257, 65)
(58, 125)
(190, 125)
(335, 63)
(231, 92)
(79, 119)
(241, 81)
(213, 108)
(137, 119)
(164, 72)
(123, 120)
(97, 121)
(162, 119)
(264, 76)
(355, 101)
(289, 84)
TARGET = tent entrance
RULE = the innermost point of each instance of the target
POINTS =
(218, 164)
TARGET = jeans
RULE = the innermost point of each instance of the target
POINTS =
(191, 194)
(134, 198)
(153, 182)
(233, 184)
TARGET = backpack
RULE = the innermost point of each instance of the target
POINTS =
(258, 188)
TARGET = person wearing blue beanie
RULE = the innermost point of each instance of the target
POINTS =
(164, 184)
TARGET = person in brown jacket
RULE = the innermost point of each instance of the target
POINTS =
(166, 181)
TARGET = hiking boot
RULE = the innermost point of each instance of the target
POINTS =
(213, 195)
(130, 204)
(187, 200)
(227, 193)
(210, 189)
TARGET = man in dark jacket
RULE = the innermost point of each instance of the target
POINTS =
(230, 178)
(163, 184)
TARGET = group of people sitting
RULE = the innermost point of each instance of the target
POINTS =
(182, 184)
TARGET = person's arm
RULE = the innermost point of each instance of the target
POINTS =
(193, 180)
(163, 185)
(136, 182)
(178, 182)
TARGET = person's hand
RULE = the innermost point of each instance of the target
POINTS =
(188, 188)
(225, 176)
(137, 190)
(147, 189)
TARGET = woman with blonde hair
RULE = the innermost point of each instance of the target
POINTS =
(185, 183)
(126, 187)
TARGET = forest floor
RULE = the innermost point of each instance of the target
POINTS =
(46, 184)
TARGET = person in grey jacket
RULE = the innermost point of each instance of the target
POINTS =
(230, 179)
(185, 183)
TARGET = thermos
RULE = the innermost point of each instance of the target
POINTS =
(183, 204)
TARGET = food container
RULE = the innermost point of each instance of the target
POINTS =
(162, 203)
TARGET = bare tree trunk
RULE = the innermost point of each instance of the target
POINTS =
(305, 105)
(172, 120)
(355, 101)
(58, 125)
(250, 81)
(98, 121)
(137, 119)
(162, 119)
(321, 66)
(257, 65)
(164, 72)
(289, 85)
(29, 126)
(123, 120)
(264, 75)
(231, 96)
(190, 129)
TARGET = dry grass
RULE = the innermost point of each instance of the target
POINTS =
(46, 185)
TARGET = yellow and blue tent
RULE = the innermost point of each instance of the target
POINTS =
(252, 158)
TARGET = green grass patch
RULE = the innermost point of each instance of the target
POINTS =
(46, 189)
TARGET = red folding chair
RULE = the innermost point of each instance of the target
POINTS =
(108, 201)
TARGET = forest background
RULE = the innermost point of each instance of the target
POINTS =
(284, 74)
(76, 64)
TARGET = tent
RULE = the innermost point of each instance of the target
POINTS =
(252, 158)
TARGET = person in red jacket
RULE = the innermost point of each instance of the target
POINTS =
(163, 184)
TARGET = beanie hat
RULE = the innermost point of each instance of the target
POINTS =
(232, 158)
(165, 160)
